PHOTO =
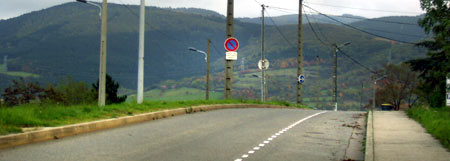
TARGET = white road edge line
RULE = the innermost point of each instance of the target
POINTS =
(278, 134)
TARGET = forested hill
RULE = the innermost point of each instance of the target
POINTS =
(64, 40)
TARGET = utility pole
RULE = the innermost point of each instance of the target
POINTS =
(229, 63)
(300, 53)
(263, 61)
(336, 48)
(207, 71)
(374, 92)
(140, 90)
(335, 77)
(317, 81)
(102, 74)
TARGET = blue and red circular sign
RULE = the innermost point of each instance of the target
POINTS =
(231, 44)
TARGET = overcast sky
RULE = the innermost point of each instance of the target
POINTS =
(244, 8)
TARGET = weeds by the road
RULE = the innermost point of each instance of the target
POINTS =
(435, 120)
(13, 119)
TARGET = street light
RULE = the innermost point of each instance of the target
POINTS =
(94, 4)
(199, 51)
(103, 40)
(375, 90)
(207, 67)
(262, 86)
(336, 49)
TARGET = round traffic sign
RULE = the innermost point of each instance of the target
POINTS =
(231, 44)
(266, 64)
(301, 78)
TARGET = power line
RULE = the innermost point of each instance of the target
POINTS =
(349, 17)
(364, 9)
(314, 31)
(357, 62)
(355, 28)
(278, 29)
(396, 33)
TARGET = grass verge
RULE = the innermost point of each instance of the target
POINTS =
(12, 120)
(435, 120)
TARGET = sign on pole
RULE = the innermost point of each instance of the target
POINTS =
(301, 79)
(265, 66)
(231, 55)
(231, 44)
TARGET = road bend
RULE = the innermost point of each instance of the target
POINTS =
(229, 135)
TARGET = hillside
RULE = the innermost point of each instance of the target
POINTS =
(64, 40)
(405, 28)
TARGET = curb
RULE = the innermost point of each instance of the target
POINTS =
(370, 151)
(13, 140)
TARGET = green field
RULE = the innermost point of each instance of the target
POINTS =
(20, 74)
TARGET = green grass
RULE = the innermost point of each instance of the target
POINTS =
(21, 74)
(177, 94)
(12, 120)
(435, 120)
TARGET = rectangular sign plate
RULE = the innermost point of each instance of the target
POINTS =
(231, 56)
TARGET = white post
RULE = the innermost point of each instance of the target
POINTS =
(140, 90)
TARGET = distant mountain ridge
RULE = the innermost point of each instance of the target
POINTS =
(64, 40)
(293, 19)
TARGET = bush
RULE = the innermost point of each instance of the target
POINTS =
(22, 92)
(71, 92)
(111, 91)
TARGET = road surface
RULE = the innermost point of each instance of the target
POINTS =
(228, 135)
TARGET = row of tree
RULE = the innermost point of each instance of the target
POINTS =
(427, 79)
(66, 92)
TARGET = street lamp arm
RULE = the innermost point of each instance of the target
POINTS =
(94, 4)
(198, 51)
(342, 45)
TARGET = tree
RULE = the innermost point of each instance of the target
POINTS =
(111, 91)
(22, 92)
(69, 92)
(435, 66)
(399, 86)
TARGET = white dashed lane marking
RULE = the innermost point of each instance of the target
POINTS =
(275, 136)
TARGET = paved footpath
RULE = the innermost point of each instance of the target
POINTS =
(393, 136)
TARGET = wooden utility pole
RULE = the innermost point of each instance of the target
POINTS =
(300, 52)
(207, 71)
(140, 90)
(102, 73)
(229, 63)
(317, 81)
(263, 61)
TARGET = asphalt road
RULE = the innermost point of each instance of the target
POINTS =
(228, 135)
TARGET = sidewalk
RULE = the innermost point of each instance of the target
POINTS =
(393, 136)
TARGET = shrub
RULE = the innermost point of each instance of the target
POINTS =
(21, 92)
(70, 92)
(111, 91)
